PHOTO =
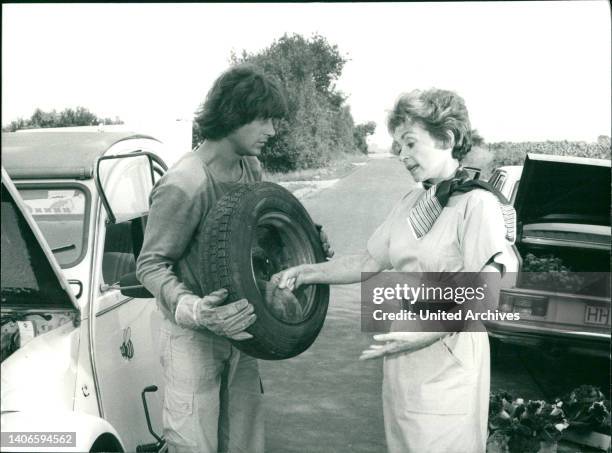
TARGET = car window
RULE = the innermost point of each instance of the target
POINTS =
(493, 178)
(118, 258)
(125, 183)
(499, 181)
(61, 215)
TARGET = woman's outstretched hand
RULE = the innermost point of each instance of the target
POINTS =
(397, 342)
(291, 278)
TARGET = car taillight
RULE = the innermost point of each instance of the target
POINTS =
(505, 302)
(526, 305)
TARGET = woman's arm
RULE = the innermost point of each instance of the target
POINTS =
(346, 269)
(398, 342)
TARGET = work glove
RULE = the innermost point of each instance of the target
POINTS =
(230, 320)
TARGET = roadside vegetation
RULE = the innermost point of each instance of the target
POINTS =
(319, 128)
(337, 168)
(493, 155)
(79, 116)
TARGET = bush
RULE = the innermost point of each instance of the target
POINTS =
(304, 140)
(319, 125)
(361, 133)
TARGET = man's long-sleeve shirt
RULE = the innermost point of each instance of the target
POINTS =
(169, 264)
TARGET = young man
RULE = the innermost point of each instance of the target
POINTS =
(212, 400)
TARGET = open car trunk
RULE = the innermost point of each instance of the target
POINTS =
(565, 269)
(563, 211)
(36, 298)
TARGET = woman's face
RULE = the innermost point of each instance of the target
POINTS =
(423, 156)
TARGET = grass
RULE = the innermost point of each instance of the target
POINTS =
(338, 168)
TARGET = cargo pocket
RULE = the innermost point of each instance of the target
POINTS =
(179, 423)
(163, 348)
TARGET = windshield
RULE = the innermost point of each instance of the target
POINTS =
(60, 215)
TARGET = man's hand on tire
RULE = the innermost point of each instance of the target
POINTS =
(230, 320)
(329, 252)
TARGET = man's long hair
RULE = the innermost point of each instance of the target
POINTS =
(240, 95)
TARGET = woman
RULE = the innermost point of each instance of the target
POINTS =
(436, 385)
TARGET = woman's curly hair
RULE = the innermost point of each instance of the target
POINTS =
(439, 112)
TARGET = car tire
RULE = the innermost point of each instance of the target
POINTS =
(254, 231)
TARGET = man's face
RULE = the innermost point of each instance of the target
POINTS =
(248, 140)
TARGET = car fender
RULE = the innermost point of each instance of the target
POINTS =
(85, 428)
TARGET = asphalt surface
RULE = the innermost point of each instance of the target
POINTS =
(326, 400)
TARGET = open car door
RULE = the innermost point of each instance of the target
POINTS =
(125, 330)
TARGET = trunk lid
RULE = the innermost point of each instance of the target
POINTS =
(31, 277)
(564, 189)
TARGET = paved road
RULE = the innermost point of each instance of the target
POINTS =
(325, 400)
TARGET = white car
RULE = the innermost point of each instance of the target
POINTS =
(506, 179)
(80, 368)
(562, 289)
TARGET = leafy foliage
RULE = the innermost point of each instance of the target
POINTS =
(519, 427)
(477, 139)
(79, 116)
(548, 272)
(588, 409)
(319, 124)
(510, 153)
(513, 153)
(360, 134)
(516, 426)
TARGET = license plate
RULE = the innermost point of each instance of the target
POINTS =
(597, 314)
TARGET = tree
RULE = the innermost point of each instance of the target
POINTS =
(477, 139)
(361, 133)
(67, 117)
(603, 141)
(319, 124)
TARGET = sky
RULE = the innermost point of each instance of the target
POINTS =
(528, 71)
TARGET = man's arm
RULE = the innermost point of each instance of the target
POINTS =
(173, 219)
(176, 211)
